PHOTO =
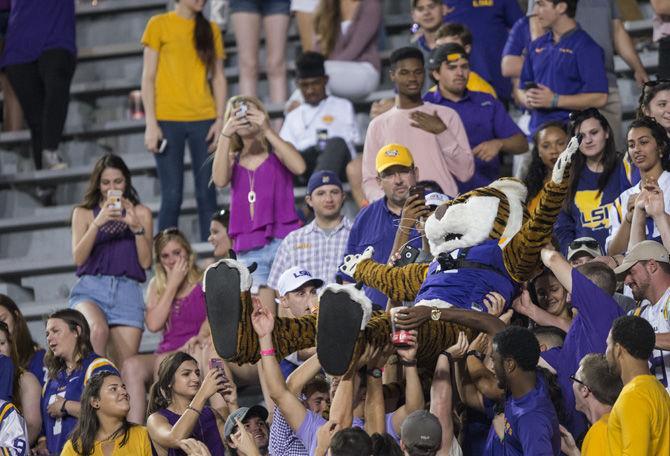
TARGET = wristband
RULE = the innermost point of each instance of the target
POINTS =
(477, 354)
(225, 135)
(409, 363)
(449, 357)
(62, 408)
(615, 261)
(268, 352)
(189, 407)
(554, 101)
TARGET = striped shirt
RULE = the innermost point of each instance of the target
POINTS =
(314, 249)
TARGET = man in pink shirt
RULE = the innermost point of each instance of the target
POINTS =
(434, 133)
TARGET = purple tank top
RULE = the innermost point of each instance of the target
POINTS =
(184, 321)
(205, 430)
(274, 209)
(114, 253)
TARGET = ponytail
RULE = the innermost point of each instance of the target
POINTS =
(203, 39)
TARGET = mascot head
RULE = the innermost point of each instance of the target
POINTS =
(494, 212)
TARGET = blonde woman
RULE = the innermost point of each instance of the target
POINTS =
(259, 166)
(176, 306)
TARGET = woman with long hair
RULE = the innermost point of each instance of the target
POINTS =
(218, 233)
(176, 306)
(596, 180)
(181, 50)
(259, 166)
(347, 34)
(103, 428)
(548, 142)
(26, 387)
(30, 354)
(111, 246)
(177, 405)
(649, 151)
(71, 362)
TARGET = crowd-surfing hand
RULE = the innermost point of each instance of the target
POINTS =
(494, 303)
(523, 305)
(408, 353)
(460, 348)
(262, 319)
(412, 317)
(352, 261)
(427, 122)
(563, 162)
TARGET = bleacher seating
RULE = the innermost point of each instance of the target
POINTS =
(35, 252)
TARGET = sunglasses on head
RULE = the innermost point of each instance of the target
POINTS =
(167, 231)
(589, 244)
(590, 112)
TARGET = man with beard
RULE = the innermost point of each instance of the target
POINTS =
(639, 422)
(434, 134)
(530, 423)
(254, 420)
(646, 270)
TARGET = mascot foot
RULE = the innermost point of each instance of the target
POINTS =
(344, 311)
(226, 285)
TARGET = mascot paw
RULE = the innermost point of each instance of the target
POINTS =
(564, 160)
(351, 261)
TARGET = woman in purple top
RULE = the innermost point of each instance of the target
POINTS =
(348, 36)
(259, 166)
(176, 306)
(177, 406)
(111, 246)
(39, 58)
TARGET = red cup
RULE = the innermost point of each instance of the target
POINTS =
(399, 337)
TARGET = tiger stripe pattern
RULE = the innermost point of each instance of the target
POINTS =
(399, 284)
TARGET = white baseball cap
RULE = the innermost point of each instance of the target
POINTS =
(294, 278)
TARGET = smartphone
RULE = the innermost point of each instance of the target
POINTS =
(216, 363)
(418, 190)
(242, 110)
(161, 145)
(530, 85)
(114, 197)
(408, 255)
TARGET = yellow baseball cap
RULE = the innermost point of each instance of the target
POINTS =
(392, 155)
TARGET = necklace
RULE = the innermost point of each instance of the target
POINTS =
(251, 196)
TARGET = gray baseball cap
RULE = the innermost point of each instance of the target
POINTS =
(421, 431)
(243, 413)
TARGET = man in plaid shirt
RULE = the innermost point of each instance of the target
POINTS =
(319, 246)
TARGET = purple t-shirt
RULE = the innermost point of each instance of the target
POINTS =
(205, 430)
(587, 334)
(274, 210)
(36, 366)
(6, 378)
(185, 319)
(531, 425)
(36, 26)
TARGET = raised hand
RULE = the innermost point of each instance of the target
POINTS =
(243, 440)
(414, 208)
(408, 353)
(213, 382)
(412, 317)
(258, 117)
(563, 163)
(178, 272)
(262, 319)
(460, 348)
(495, 303)
(524, 305)
(655, 203)
(479, 343)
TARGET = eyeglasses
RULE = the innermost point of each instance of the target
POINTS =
(575, 379)
(589, 244)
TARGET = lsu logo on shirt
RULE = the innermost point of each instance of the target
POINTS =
(482, 3)
(593, 215)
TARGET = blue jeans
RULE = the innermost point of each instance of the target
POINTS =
(170, 167)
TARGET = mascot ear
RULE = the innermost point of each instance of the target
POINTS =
(516, 193)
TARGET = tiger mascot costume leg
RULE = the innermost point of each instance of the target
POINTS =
(484, 240)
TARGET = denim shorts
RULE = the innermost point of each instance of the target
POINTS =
(119, 298)
(263, 258)
(262, 7)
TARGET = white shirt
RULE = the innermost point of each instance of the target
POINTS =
(620, 207)
(334, 114)
(658, 315)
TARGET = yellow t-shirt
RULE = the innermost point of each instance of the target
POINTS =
(475, 83)
(595, 442)
(182, 90)
(639, 423)
(138, 444)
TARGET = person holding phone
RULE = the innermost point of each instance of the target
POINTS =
(111, 246)
(176, 306)
(177, 405)
(183, 54)
(259, 166)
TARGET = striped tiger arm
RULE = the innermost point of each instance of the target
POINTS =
(398, 283)
(521, 255)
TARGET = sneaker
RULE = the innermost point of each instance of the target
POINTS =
(52, 160)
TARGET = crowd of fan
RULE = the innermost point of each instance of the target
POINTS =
(561, 368)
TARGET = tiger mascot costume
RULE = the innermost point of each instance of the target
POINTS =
(484, 240)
